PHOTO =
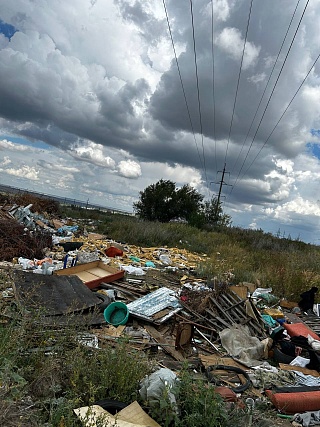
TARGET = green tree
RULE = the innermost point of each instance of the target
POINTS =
(213, 213)
(157, 202)
(188, 202)
(162, 202)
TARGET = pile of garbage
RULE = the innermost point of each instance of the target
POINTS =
(248, 343)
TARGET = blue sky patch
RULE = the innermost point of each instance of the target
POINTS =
(22, 141)
(7, 29)
(314, 149)
(315, 132)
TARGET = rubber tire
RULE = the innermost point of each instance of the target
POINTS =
(105, 301)
(239, 389)
(112, 406)
(281, 357)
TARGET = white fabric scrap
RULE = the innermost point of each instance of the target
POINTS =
(306, 380)
(300, 361)
(315, 344)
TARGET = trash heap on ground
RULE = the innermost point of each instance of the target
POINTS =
(251, 346)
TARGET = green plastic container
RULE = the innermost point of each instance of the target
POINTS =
(116, 313)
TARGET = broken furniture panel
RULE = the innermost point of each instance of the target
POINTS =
(92, 273)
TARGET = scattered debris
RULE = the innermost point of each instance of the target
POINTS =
(227, 331)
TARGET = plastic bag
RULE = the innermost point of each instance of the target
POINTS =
(153, 386)
(165, 259)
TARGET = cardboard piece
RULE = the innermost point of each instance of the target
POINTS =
(115, 331)
(241, 291)
(131, 416)
(305, 371)
(218, 360)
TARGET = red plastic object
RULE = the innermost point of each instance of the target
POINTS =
(292, 403)
(226, 393)
(112, 251)
(297, 329)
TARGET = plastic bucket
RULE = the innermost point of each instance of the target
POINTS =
(116, 313)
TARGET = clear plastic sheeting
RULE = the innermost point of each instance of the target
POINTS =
(155, 302)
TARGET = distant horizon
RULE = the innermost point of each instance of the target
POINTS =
(72, 200)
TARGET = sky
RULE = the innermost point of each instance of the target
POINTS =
(94, 107)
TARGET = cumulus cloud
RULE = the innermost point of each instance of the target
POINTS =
(10, 146)
(129, 169)
(231, 42)
(6, 161)
(23, 172)
(92, 153)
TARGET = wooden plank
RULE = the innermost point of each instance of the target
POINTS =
(237, 317)
(77, 268)
(236, 305)
(223, 311)
(218, 360)
(85, 276)
(99, 272)
(160, 339)
(223, 322)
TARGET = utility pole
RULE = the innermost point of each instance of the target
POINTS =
(220, 189)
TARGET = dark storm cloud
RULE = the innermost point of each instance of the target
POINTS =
(90, 76)
(168, 96)
(151, 28)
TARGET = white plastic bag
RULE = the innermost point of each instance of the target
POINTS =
(153, 386)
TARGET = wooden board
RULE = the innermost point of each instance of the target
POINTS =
(92, 273)
(85, 276)
(55, 295)
(100, 272)
(161, 340)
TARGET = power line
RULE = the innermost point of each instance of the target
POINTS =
(284, 112)
(181, 82)
(271, 73)
(235, 99)
(273, 89)
(213, 87)
(198, 91)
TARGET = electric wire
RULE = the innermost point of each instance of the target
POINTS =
(182, 85)
(272, 92)
(238, 82)
(266, 86)
(198, 92)
(284, 112)
(213, 86)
